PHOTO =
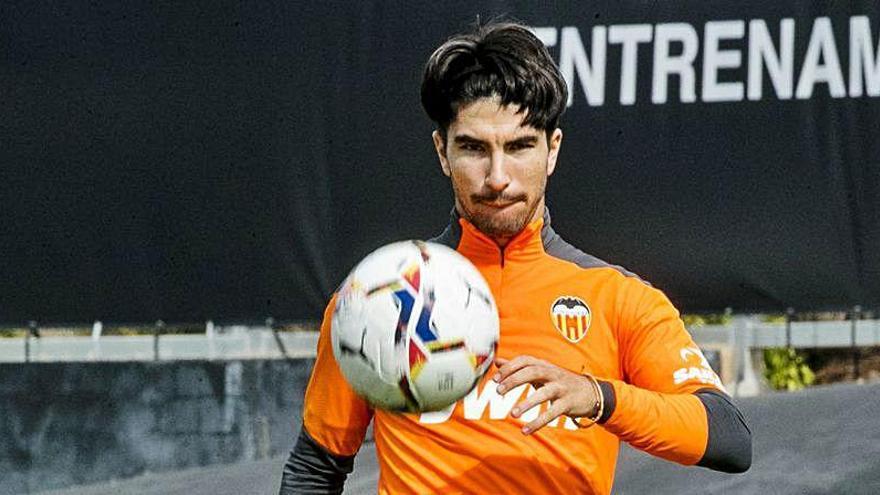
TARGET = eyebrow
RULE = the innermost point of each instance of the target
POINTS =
(466, 139)
(525, 140)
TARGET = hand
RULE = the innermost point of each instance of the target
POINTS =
(571, 394)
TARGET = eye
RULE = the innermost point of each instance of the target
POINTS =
(521, 145)
(471, 147)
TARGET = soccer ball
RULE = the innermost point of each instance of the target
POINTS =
(415, 327)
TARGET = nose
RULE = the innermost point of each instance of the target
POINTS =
(498, 178)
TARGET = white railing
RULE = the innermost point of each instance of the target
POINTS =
(247, 344)
(734, 342)
(800, 334)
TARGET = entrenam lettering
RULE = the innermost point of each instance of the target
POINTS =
(821, 63)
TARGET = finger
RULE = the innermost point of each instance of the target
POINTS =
(502, 362)
(512, 366)
(499, 362)
(531, 373)
(554, 411)
(538, 397)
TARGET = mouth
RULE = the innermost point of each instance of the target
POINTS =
(498, 205)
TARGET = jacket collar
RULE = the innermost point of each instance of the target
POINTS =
(527, 245)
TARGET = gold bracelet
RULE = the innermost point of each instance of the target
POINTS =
(599, 406)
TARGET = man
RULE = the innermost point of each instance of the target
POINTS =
(589, 354)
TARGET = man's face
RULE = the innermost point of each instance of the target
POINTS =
(498, 167)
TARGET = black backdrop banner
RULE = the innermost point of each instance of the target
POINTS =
(230, 161)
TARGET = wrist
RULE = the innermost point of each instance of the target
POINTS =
(597, 410)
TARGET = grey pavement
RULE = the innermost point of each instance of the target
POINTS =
(824, 440)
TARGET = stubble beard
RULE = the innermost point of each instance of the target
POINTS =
(503, 227)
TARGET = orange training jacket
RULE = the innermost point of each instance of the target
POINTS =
(561, 305)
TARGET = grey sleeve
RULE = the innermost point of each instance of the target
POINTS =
(312, 470)
(729, 448)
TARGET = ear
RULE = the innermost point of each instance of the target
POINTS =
(440, 147)
(553, 147)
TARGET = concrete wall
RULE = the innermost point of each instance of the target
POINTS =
(65, 424)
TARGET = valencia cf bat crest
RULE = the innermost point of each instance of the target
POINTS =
(571, 316)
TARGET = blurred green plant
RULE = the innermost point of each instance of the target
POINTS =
(785, 369)
(699, 320)
(12, 332)
(127, 331)
(778, 319)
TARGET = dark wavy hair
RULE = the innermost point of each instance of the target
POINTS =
(499, 59)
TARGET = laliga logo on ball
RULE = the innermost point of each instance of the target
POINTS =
(415, 327)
